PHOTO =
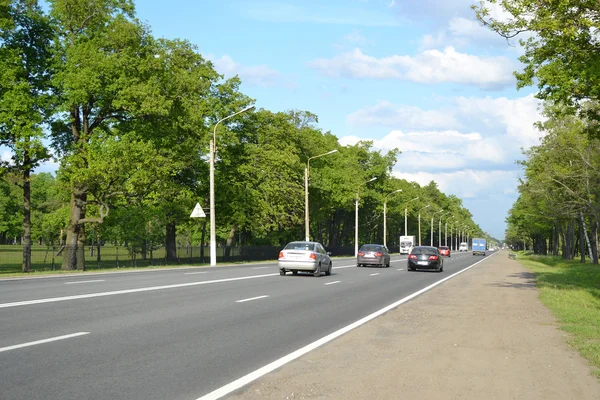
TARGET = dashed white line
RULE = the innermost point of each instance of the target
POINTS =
(260, 267)
(54, 339)
(75, 282)
(252, 376)
(400, 269)
(252, 298)
(196, 273)
(126, 291)
(331, 283)
(345, 266)
(376, 273)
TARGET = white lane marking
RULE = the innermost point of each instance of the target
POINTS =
(252, 376)
(402, 259)
(376, 273)
(126, 291)
(400, 269)
(75, 282)
(196, 273)
(250, 299)
(331, 283)
(54, 339)
(345, 266)
(260, 267)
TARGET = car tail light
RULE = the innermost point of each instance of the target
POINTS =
(412, 257)
(379, 254)
(360, 254)
(433, 257)
(313, 256)
(281, 254)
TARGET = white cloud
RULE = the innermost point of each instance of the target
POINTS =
(468, 183)
(257, 75)
(355, 37)
(279, 12)
(430, 66)
(409, 117)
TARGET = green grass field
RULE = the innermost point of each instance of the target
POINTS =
(45, 259)
(572, 291)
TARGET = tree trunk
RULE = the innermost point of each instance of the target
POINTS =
(229, 242)
(171, 244)
(581, 241)
(74, 257)
(26, 216)
(595, 242)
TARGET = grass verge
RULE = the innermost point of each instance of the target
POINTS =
(572, 292)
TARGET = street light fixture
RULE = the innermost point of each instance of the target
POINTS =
(306, 179)
(432, 216)
(427, 206)
(213, 150)
(405, 219)
(384, 215)
(356, 217)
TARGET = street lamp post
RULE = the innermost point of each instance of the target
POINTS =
(213, 150)
(356, 217)
(420, 221)
(432, 216)
(405, 219)
(306, 179)
(384, 215)
(440, 229)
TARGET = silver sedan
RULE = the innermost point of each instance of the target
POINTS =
(304, 256)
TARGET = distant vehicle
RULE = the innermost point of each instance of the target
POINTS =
(479, 246)
(464, 246)
(304, 256)
(444, 250)
(425, 257)
(406, 244)
(373, 254)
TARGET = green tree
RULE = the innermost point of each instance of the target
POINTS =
(25, 95)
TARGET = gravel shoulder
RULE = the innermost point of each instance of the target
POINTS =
(482, 334)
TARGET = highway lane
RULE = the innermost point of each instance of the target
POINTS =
(183, 342)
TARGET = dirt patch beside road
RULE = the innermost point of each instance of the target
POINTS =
(481, 335)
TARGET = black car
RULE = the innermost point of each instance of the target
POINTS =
(425, 257)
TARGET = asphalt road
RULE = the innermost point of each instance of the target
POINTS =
(179, 334)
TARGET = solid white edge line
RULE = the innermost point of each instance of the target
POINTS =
(246, 379)
(75, 282)
(126, 291)
(252, 298)
(331, 283)
(54, 339)
(196, 273)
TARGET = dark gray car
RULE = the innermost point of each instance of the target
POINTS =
(373, 254)
(425, 257)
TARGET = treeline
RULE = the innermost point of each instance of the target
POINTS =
(128, 117)
(559, 195)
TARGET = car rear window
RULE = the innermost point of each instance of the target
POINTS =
(300, 246)
(370, 247)
(424, 250)
(443, 247)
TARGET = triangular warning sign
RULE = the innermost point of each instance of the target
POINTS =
(198, 212)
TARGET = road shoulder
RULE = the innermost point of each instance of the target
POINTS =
(481, 334)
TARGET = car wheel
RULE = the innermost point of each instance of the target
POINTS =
(410, 269)
(282, 272)
(358, 265)
(441, 268)
(328, 272)
(295, 272)
(318, 271)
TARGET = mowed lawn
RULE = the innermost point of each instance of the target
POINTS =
(572, 291)
(46, 260)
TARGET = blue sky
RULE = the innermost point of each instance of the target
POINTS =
(422, 76)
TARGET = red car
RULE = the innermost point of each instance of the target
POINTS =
(444, 250)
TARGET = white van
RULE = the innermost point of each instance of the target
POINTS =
(464, 246)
